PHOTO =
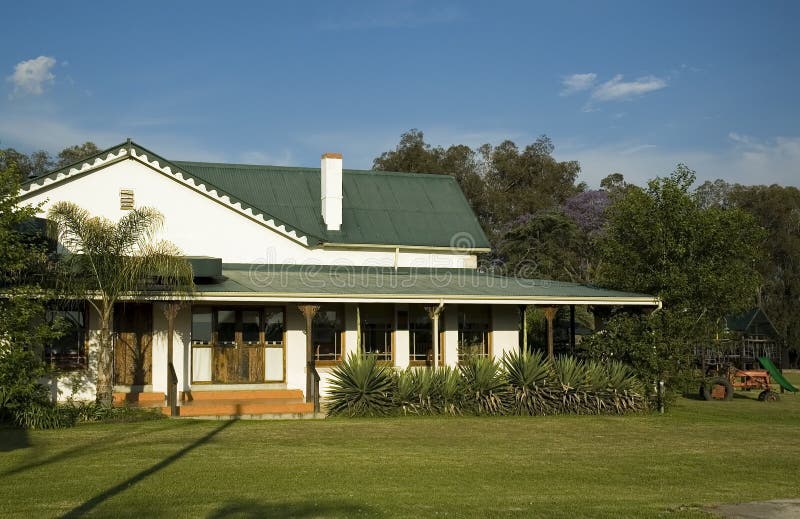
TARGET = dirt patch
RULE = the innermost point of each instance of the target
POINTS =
(775, 509)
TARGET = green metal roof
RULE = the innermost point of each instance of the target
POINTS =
(242, 279)
(753, 321)
(377, 208)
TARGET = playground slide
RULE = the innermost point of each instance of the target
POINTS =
(776, 375)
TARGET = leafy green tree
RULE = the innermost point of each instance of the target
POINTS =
(661, 241)
(72, 154)
(26, 166)
(23, 262)
(527, 181)
(701, 261)
(546, 245)
(777, 209)
(114, 260)
(23, 267)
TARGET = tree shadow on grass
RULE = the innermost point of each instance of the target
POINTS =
(12, 439)
(92, 503)
(106, 442)
(249, 509)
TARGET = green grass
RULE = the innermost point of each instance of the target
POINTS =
(698, 454)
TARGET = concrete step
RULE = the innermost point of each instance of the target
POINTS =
(244, 394)
(239, 408)
(139, 399)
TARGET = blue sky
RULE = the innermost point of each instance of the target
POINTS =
(634, 87)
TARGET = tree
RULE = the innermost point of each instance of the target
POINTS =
(546, 245)
(701, 261)
(72, 154)
(111, 261)
(23, 331)
(527, 181)
(777, 209)
(26, 166)
(23, 260)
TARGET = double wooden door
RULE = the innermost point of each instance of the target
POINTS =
(133, 344)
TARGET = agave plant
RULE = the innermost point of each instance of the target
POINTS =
(407, 391)
(361, 387)
(446, 391)
(624, 392)
(527, 375)
(572, 384)
(486, 385)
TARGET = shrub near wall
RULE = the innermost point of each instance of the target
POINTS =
(521, 384)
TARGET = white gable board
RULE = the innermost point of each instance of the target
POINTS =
(201, 223)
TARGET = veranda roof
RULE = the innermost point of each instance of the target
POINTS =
(344, 283)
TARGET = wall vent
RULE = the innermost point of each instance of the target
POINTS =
(126, 199)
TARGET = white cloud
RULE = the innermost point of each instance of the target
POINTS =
(616, 89)
(577, 83)
(746, 161)
(30, 76)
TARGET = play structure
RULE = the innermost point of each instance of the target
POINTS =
(722, 386)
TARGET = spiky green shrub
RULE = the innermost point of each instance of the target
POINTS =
(361, 387)
(529, 390)
(448, 390)
(624, 392)
(485, 384)
(572, 385)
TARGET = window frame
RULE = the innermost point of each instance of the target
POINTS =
(339, 334)
(389, 329)
(485, 330)
(238, 341)
(62, 362)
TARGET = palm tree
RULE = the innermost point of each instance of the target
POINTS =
(107, 261)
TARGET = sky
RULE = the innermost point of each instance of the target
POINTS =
(630, 87)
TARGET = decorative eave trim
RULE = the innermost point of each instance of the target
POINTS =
(127, 151)
(433, 248)
(218, 195)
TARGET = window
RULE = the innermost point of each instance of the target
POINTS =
(68, 351)
(202, 325)
(420, 335)
(273, 325)
(326, 333)
(473, 331)
(228, 326)
(377, 327)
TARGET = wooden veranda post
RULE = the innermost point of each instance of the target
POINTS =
(523, 312)
(572, 329)
(434, 312)
(550, 314)
(171, 310)
(309, 311)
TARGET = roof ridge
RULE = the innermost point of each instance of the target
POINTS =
(310, 169)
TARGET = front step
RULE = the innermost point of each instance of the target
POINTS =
(139, 399)
(197, 396)
(248, 403)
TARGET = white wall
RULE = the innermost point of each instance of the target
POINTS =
(505, 329)
(450, 335)
(82, 384)
(181, 348)
(202, 226)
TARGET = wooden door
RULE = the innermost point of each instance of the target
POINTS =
(238, 364)
(133, 344)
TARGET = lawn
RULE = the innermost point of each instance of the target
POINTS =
(699, 453)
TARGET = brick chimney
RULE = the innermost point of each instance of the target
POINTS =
(331, 175)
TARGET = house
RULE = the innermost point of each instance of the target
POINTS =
(295, 269)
